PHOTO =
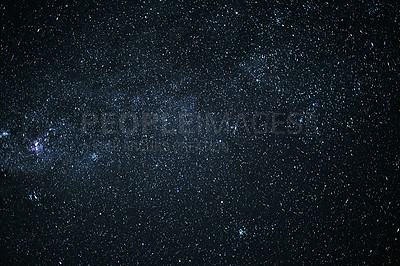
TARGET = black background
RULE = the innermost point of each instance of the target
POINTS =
(329, 195)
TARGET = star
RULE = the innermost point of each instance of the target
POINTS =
(37, 146)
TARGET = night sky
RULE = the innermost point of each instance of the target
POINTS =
(226, 132)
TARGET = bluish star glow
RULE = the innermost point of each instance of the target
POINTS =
(94, 156)
(37, 146)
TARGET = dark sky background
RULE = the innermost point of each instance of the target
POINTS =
(329, 194)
